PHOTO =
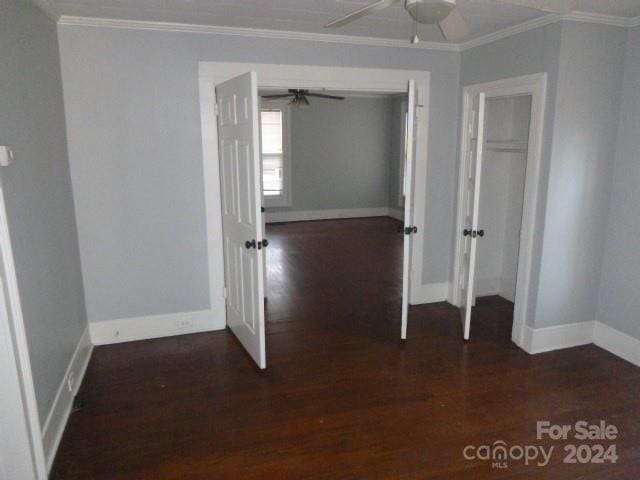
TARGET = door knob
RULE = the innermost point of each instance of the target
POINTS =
(265, 242)
(481, 233)
(466, 232)
(250, 244)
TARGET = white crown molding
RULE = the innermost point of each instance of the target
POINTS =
(541, 21)
(583, 17)
(509, 31)
(253, 32)
(601, 19)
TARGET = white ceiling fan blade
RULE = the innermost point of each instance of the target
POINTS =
(553, 6)
(454, 27)
(361, 12)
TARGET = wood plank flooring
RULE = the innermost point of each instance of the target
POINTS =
(343, 397)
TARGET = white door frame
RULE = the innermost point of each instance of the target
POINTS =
(316, 78)
(536, 86)
(21, 447)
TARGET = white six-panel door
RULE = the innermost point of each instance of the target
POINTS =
(473, 169)
(410, 148)
(242, 226)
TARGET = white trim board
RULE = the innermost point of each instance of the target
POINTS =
(329, 214)
(22, 437)
(584, 17)
(430, 293)
(61, 408)
(619, 343)
(155, 326)
(539, 340)
(254, 32)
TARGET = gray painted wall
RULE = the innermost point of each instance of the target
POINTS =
(619, 300)
(133, 120)
(340, 154)
(584, 142)
(38, 194)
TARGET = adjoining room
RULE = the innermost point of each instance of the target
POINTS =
(333, 179)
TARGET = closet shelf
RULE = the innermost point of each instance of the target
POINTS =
(507, 145)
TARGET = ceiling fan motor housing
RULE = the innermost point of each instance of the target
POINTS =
(429, 11)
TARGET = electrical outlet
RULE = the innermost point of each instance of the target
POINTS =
(182, 323)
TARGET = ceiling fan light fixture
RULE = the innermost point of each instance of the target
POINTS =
(300, 101)
(429, 11)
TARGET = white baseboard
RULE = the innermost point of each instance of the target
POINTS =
(619, 343)
(302, 216)
(156, 326)
(59, 413)
(429, 293)
(538, 340)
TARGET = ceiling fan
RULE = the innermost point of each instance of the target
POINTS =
(300, 97)
(444, 12)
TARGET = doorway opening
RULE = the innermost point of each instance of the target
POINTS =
(500, 211)
(497, 201)
(334, 192)
(233, 184)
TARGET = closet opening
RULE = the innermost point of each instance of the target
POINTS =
(501, 201)
(497, 197)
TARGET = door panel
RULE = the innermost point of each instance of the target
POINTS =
(408, 201)
(241, 189)
(472, 201)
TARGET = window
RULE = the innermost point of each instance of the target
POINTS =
(276, 173)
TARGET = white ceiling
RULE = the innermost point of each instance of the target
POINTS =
(483, 16)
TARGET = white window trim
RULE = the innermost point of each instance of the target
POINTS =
(284, 200)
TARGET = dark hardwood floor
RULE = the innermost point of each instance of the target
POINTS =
(343, 397)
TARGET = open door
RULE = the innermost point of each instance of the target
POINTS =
(472, 203)
(409, 228)
(242, 227)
